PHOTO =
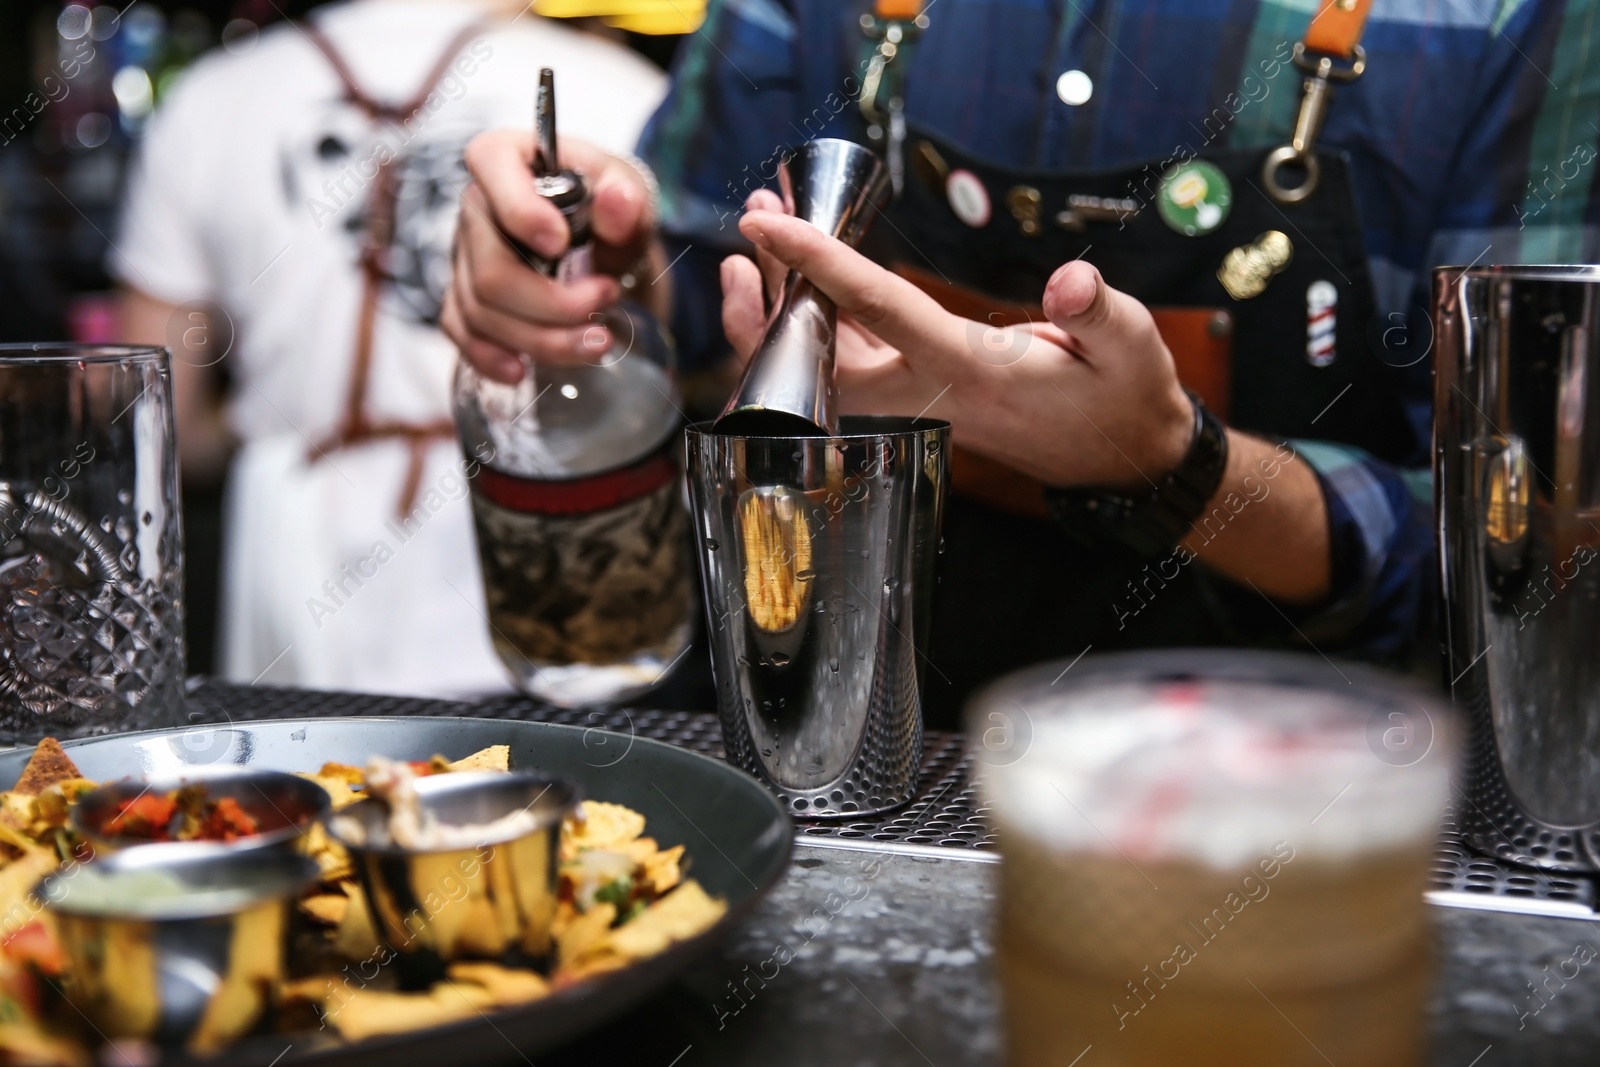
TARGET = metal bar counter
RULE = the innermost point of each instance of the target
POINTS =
(875, 947)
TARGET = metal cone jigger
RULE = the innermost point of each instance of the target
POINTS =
(788, 388)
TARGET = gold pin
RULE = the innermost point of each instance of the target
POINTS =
(1024, 202)
(1246, 270)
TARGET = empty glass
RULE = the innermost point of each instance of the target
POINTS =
(91, 542)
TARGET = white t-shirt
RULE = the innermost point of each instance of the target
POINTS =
(249, 191)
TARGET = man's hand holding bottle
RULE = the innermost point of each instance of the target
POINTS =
(498, 305)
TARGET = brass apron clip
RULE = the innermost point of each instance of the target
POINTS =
(881, 101)
(1301, 150)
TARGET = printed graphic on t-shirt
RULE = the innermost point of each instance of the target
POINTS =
(322, 167)
(433, 175)
(330, 174)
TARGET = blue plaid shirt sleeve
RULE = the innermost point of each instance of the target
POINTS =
(1381, 538)
(1380, 533)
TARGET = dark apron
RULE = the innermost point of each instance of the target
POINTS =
(1014, 588)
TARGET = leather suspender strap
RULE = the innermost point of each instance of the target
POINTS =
(356, 425)
(377, 109)
(1337, 26)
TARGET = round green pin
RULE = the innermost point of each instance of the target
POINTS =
(1194, 197)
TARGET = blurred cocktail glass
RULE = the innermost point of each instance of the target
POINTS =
(1213, 858)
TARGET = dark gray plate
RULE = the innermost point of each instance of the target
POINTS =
(736, 833)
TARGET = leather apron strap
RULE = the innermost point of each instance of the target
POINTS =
(1337, 27)
(897, 10)
(356, 426)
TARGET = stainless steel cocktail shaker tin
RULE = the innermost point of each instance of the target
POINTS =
(1517, 490)
(818, 561)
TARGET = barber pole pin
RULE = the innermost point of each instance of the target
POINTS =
(1321, 301)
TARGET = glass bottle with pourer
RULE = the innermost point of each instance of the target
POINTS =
(578, 502)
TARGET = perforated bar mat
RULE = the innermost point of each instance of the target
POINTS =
(945, 819)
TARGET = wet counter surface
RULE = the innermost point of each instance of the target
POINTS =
(871, 958)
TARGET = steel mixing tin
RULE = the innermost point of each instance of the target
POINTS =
(818, 558)
(1516, 488)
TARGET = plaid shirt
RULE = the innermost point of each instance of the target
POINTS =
(1471, 137)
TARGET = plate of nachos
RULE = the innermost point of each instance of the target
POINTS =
(667, 852)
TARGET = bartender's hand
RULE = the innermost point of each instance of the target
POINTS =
(498, 305)
(1089, 397)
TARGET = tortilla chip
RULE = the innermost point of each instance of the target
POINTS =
(22, 1043)
(331, 856)
(52, 805)
(678, 916)
(586, 933)
(313, 989)
(595, 964)
(326, 908)
(658, 869)
(566, 913)
(342, 772)
(448, 992)
(357, 938)
(364, 1013)
(18, 878)
(663, 870)
(493, 758)
(15, 839)
(469, 989)
(337, 787)
(602, 825)
(50, 764)
(506, 985)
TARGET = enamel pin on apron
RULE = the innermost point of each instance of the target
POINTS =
(1025, 203)
(968, 198)
(1082, 210)
(1246, 270)
(1194, 198)
(1321, 301)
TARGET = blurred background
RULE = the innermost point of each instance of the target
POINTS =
(77, 82)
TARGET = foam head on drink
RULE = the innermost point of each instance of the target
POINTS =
(1212, 872)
